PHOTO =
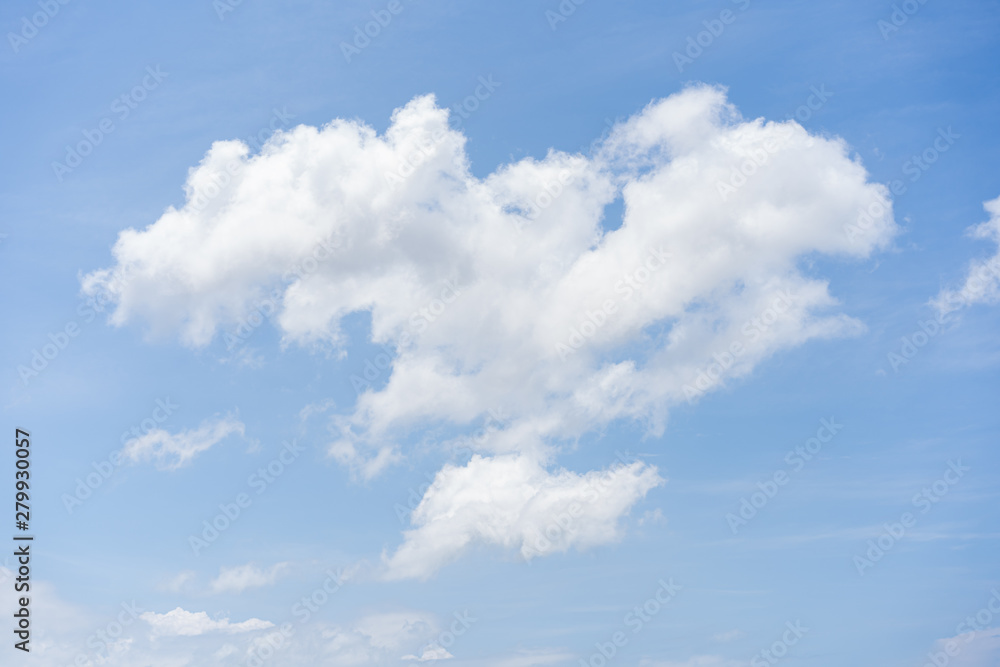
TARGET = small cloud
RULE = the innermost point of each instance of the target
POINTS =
(652, 517)
(224, 652)
(982, 282)
(173, 451)
(238, 579)
(179, 582)
(181, 623)
(973, 648)
(514, 501)
(726, 637)
(431, 652)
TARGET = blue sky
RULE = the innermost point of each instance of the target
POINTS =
(472, 393)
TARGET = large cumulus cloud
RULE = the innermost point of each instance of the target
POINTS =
(512, 292)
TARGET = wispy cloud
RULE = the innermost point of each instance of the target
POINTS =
(238, 579)
(178, 623)
(170, 451)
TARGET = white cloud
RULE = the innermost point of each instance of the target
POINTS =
(181, 623)
(380, 638)
(173, 451)
(513, 502)
(238, 579)
(728, 636)
(506, 292)
(477, 285)
(430, 652)
(182, 581)
(982, 282)
(971, 649)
